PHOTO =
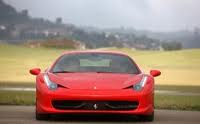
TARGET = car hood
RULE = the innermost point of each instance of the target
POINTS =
(99, 81)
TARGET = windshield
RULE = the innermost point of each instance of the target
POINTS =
(95, 62)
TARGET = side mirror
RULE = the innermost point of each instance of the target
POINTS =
(35, 71)
(155, 73)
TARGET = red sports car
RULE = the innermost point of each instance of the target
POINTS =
(94, 82)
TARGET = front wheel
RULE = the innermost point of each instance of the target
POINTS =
(147, 118)
(41, 116)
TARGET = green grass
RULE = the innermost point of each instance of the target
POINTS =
(184, 89)
(180, 72)
(17, 98)
(177, 102)
(17, 84)
(161, 101)
(16, 61)
(178, 67)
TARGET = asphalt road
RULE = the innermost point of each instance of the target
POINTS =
(25, 115)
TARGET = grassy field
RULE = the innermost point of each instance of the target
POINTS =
(17, 98)
(180, 72)
(15, 61)
(161, 101)
(174, 102)
(178, 67)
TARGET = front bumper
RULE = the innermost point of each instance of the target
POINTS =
(145, 101)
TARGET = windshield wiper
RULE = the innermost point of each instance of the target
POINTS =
(63, 72)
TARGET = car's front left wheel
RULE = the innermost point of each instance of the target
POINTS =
(147, 118)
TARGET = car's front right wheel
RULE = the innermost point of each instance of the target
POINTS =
(39, 116)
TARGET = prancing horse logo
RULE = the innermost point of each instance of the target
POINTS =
(95, 106)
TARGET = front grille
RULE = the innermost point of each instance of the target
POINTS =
(94, 105)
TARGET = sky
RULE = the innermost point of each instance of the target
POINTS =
(155, 15)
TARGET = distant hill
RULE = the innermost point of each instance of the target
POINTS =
(8, 15)
(20, 26)
(55, 43)
(17, 27)
(189, 39)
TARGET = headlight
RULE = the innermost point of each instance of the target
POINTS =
(51, 85)
(141, 84)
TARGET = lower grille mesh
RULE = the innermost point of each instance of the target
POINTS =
(94, 105)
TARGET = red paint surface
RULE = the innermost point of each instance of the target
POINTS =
(95, 87)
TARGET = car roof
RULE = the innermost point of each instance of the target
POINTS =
(94, 51)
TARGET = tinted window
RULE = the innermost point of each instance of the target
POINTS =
(95, 62)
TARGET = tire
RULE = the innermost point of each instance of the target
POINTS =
(41, 116)
(147, 118)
